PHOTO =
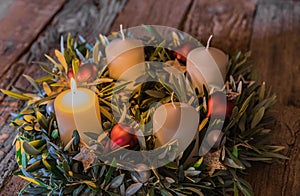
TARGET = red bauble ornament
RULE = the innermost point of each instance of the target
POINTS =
(122, 135)
(182, 51)
(86, 72)
(218, 106)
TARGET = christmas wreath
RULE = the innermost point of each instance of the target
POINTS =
(233, 133)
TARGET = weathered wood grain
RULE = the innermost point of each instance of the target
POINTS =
(283, 178)
(275, 48)
(168, 13)
(20, 26)
(230, 21)
(13, 186)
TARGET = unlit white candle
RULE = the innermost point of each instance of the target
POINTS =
(207, 66)
(123, 54)
(175, 121)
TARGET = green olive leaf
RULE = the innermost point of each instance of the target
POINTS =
(117, 181)
(16, 95)
(133, 188)
(257, 117)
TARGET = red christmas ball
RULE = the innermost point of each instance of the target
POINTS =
(122, 135)
(86, 72)
(182, 51)
(218, 105)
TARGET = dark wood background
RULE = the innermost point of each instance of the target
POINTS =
(269, 28)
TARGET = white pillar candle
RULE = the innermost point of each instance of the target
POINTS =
(175, 121)
(77, 108)
(122, 54)
(207, 66)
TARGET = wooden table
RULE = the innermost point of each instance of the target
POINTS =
(269, 28)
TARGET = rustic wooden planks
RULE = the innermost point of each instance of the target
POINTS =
(230, 21)
(276, 38)
(280, 178)
(20, 26)
(168, 12)
(275, 48)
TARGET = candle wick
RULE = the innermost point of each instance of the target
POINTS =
(73, 86)
(208, 41)
(122, 33)
(172, 101)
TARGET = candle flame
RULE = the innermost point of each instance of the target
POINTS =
(73, 86)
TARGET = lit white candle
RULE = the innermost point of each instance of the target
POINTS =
(207, 66)
(77, 108)
(175, 121)
(123, 54)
